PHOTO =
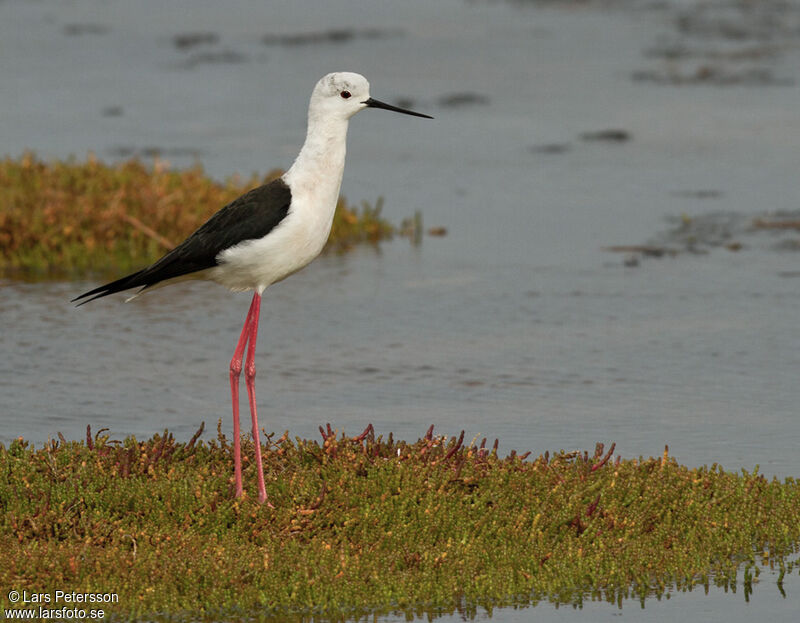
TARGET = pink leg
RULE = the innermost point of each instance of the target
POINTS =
(249, 379)
(235, 371)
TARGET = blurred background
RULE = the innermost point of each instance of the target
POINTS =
(561, 130)
(618, 182)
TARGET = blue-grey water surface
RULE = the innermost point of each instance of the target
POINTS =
(517, 324)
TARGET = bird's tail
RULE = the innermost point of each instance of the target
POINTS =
(125, 283)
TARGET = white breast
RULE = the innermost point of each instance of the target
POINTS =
(298, 239)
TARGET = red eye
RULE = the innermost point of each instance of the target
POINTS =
(345, 94)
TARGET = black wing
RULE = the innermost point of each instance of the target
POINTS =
(253, 215)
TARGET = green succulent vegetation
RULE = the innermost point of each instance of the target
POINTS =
(369, 525)
(68, 218)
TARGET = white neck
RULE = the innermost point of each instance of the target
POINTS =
(319, 166)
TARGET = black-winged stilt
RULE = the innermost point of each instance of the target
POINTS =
(267, 234)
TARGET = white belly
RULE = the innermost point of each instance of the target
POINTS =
(291, 245)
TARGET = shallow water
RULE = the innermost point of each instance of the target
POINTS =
(717, 606)
(517, 324)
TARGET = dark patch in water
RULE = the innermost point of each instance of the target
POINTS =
(406, 102)
(186, 40)
(151, 151)
(550, 148)
(739, 21)
(112, 111)
(334, 35)
(674, 51)
(223, 57)
(714, 75)
(457, 100)
(792, 244)
(777, 231)
(608, 136)
(698, 194)
(725, 43)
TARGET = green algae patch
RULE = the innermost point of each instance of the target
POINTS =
(371, 525)
(70, 219)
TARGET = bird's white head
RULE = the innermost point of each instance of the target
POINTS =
(336, 98)
(342, 94)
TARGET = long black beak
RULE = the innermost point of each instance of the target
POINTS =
(373, 103)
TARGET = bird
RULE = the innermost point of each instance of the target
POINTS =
(266, 235)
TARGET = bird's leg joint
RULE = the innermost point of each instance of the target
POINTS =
(236, 366)
(249, 371)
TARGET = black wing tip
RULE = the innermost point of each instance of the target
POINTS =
(88, 300)
(97, 292)
(89, 293)
(126, 283)
(94, 294)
